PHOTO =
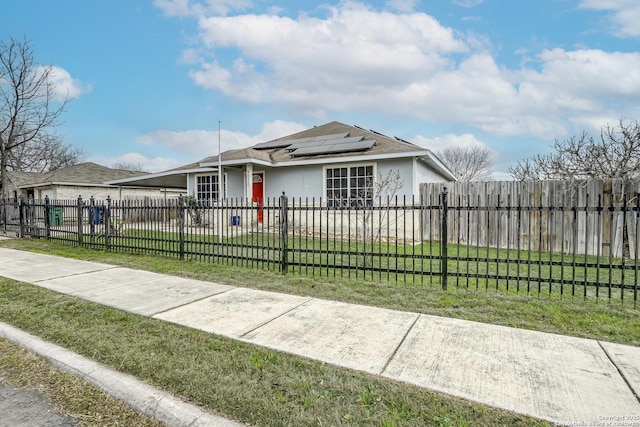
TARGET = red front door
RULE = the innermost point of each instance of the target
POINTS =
(258, 192)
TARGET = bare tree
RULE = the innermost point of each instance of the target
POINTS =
(381, 192)
(44, 153)
(616, 154)
(134, 167)
(473, 163)
(28, 110)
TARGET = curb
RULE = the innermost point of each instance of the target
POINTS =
(138, 395)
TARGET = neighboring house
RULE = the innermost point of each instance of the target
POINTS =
(84, 179)
(334, 161)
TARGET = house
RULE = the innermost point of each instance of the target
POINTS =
(84, 179)
(335, 162)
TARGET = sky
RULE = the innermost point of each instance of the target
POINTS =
(160, 83)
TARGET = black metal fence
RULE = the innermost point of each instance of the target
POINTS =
(426, 242)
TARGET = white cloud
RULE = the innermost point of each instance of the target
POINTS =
(155, 164)
(320, 64)
(409, 64)
(447, 141)
(199, 8)
(202, 143)
(467, 3)
(193, 142)
(402, 5)
(624, 15)
(277, 129)
(64, 86)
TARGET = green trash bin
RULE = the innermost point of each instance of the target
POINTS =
(56, 215)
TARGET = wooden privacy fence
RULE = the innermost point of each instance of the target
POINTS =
(597, 218)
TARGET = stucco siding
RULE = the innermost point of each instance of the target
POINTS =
(425, 174)
(235, 183)
(405, 169)
(101, 193)
(301, 181)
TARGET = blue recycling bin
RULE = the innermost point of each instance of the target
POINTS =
(98, 215)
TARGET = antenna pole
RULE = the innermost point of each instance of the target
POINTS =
(220, 186)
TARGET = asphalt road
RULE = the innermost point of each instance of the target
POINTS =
(23, 408)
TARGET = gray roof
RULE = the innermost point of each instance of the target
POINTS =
(384, 146)
(274, 153)
(80, 174)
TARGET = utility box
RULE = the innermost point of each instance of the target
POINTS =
(56, 216)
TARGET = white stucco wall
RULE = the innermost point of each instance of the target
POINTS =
(426, 174)
(299, 181)
(235, 183)
(405, 168)
(100, 193)
(309, 181)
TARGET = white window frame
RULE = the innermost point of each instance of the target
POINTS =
(211, 192)
(348, 202)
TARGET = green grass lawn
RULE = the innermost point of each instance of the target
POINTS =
(270, 388)
(568, 315)
(88, 405)
(234, 379)
(510, 271)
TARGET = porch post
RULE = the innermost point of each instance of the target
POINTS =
(249, 182)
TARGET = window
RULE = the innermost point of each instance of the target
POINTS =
(350, 186)
(207, 187)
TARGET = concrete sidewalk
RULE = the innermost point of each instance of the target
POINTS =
(556, 378)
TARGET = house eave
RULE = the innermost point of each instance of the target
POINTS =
(68, 184)
(320, 160)
(160, 179)
(237, 162)
(435, 163)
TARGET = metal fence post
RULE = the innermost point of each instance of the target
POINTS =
(107, 223)
(47, 219)
(3, 211)
(22, 216)
(92, 218)
(444, 239)
(181, 224)
(284, 232)
(80, 227)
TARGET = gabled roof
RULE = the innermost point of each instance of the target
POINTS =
(362, 145)
(347, 141)
(90, 174)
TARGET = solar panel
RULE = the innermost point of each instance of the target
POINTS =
(332, 136)
(287, 143)
(355, 146)
(333, 148)
(272, 144)
(328, 141)
(320, 144)
(346, 140)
